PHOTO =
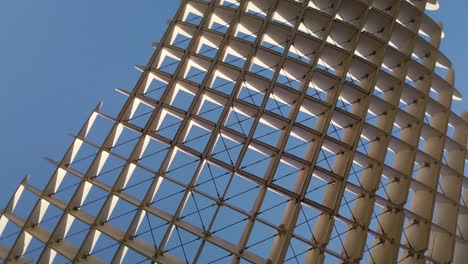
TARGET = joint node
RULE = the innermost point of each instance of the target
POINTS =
(207, 234)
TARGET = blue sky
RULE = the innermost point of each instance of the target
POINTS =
(58, 59)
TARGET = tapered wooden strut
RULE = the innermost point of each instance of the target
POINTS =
(265, 131)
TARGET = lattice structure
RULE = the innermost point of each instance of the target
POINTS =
(266, 131)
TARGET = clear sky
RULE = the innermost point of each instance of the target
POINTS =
(58, 59)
